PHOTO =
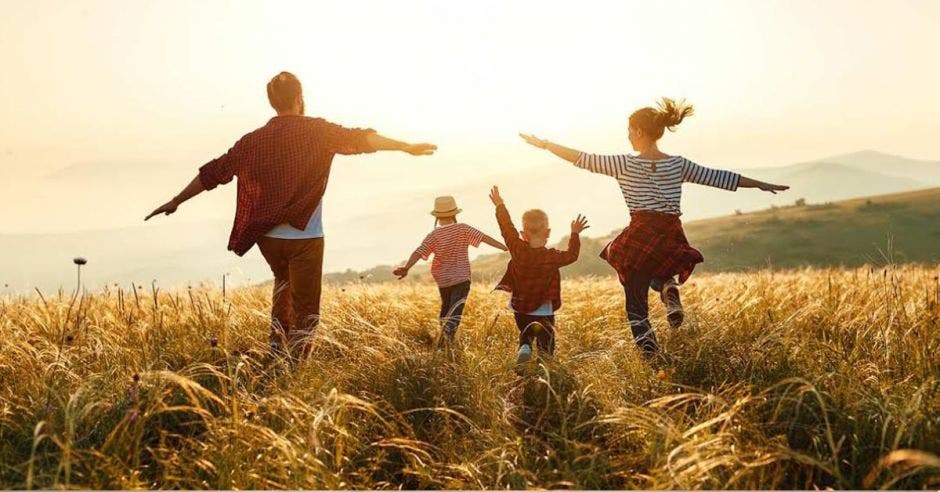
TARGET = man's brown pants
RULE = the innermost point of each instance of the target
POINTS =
(297, 265)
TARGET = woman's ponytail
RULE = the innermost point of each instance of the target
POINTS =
(667, 114)
(671, 113)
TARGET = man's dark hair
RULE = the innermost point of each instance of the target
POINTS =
(283, 90)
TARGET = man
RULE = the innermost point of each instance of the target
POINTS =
(283, 169)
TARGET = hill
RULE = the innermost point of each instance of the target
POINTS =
(900, 228)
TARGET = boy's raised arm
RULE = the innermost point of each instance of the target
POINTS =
(570, 255)
(506, 228)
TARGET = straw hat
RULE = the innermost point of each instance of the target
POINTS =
(445, 206)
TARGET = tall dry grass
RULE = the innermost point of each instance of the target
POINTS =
(815, 378)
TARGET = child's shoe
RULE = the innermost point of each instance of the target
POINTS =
(525, 354)
(670, 297)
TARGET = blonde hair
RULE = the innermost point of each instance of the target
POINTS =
(535, 221)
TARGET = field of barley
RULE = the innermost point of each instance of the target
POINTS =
(779, 379)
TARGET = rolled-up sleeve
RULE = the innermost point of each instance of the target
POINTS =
(342, 140)
(222, 169)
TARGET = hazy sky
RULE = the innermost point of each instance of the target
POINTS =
(174, 83)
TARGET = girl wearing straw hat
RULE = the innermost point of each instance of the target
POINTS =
(448, 242)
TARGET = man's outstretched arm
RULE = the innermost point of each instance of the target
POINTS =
(220, 170)
(194, 188)
(378, 142)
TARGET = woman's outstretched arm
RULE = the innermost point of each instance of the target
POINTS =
(570, 155)
(747, 182)
(720, 178)
(608, 165)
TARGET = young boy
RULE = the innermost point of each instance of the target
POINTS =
(532, 276)
(448, 242)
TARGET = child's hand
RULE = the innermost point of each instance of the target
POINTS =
(579, 224)
(494, 196)
(400, 272)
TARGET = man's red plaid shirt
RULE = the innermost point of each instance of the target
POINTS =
(532, 276)
(282, 168)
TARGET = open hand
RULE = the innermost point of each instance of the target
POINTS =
(421, 149)
(494, 196)
(167, 209)
(533, 140)
(579, 224)
(773, 188)
(400, 272)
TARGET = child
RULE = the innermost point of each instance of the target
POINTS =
(448, 243)
(532, 276)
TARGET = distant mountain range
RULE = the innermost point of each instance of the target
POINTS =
(190, 246)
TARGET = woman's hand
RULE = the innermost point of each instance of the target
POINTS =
(400, 272)
(534, 141)
(579, 224)
(773, 188)
(746, 182)
(570, 155)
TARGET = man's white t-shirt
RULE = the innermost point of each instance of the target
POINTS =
(314, 228)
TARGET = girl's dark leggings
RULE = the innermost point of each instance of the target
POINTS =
(453, 299)
(636, 292)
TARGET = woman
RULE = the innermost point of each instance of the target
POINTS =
(652, 251)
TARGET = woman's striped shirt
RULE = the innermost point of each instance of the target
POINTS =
(448, 244)
(656, 184)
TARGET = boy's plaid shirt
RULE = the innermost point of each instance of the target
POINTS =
(282, 168)
(532, 275)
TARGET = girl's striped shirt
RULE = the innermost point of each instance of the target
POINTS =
(656, 184)
(449, 243)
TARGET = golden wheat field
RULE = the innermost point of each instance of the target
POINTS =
(798, 379)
